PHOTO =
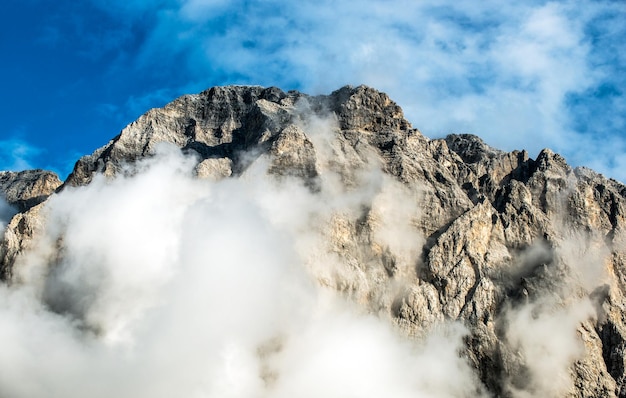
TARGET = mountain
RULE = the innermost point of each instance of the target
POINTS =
(526, 255)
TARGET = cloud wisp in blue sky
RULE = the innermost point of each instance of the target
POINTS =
(525, 75)
(17, 155)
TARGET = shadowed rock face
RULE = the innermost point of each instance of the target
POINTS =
(507, 240)
(26, 189)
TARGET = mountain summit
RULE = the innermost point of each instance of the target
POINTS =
(527, 257)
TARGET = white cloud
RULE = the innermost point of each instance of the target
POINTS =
(160, 284)
(6, 213)
(504, 72)
(16, 155)
(172, 286)
(546, 339)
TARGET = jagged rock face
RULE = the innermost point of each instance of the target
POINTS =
(28, 188)
(24, 191)
(506, 239)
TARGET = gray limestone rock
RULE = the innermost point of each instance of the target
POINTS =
(215, 168)
(490, 233)
(28, 188)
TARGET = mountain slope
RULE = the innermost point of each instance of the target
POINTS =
(528, 254)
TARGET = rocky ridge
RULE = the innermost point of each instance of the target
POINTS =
(493, 234)
(28, 188)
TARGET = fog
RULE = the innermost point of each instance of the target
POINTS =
(6, 212)
(161, 284)
(157, 283)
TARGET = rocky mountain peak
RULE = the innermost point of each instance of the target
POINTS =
(471, 148)
(223, 122)
(529, 255)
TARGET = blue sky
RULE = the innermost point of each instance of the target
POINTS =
(530, 75)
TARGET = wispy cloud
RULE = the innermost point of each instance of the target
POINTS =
(16, 155)
(135, 105)
(6, 212)
(154, 296)
(524, 75)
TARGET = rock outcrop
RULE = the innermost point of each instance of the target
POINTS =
(26, 189)
(495, 239)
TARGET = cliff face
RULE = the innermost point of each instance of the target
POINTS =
(26, 189)
(23, 191)
(528, 254)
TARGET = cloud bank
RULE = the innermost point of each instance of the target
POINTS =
(157, 283)
(161, 284)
